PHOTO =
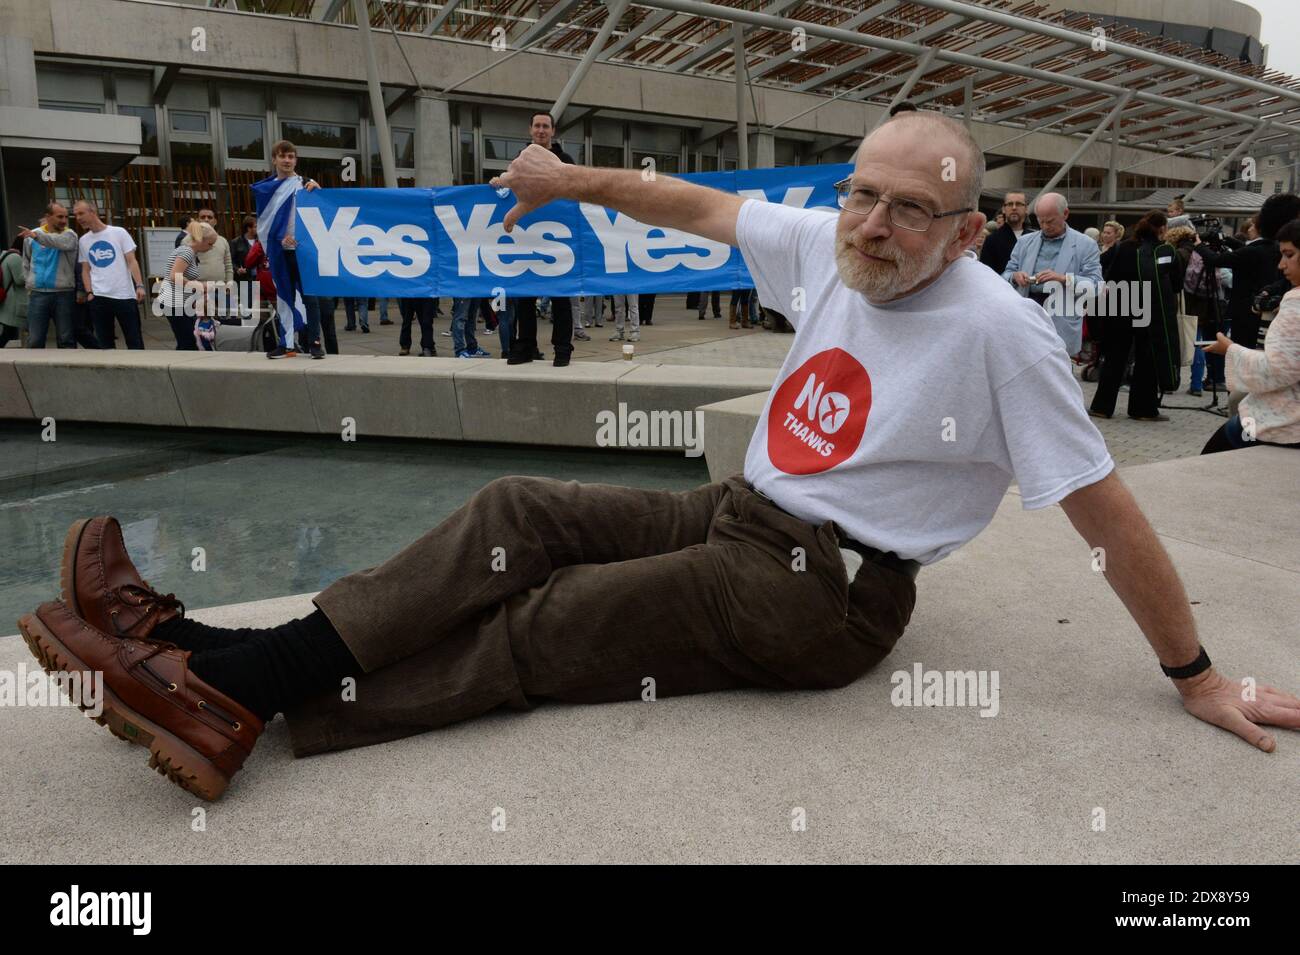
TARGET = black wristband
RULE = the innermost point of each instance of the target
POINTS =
(1199, 665)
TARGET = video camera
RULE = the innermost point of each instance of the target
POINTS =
(1210, 230)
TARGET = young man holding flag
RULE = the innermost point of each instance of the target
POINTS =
(276, 199)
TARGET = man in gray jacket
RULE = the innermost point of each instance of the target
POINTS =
(1054, 267)
(50, 266)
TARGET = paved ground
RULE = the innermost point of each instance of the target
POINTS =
(1090, 758)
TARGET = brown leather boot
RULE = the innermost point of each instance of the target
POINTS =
(731, 312)
(102, 586)
(196, 735)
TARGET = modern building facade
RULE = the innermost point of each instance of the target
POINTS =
(156, 107)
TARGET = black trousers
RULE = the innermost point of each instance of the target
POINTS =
(646, 304)
(1245, 329)
(328, 333)
(83, 327)
(523, 338)
(1143, 393)
(416, 309)
(126, 312)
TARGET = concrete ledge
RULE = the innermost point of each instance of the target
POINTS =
(728, 426)
(13, 397)
(388, 396)
(653, 388)
(406, 397)
(115, 385)
(228, 390)
(521, 404)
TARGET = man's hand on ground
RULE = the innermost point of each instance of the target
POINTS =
(536, 176)
(1212, 697)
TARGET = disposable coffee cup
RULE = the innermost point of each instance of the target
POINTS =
(627, 352)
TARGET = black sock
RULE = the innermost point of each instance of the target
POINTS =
(191, 635)
(276, 668)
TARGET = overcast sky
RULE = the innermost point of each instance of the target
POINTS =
(1281, 31)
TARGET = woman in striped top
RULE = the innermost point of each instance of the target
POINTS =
(182, 275)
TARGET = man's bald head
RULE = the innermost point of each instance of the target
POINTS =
(963, 177)
(917, 161)
(1050, 202)
(1052, 211)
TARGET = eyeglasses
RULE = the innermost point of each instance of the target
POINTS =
(905, 213)
(1025, 204)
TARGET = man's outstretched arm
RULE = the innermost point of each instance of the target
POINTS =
(537, 176)
(1142, 576)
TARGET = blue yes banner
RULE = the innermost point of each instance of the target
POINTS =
(451, 241)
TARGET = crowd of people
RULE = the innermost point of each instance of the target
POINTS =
(1198, 286)
(83, 287)
(1217, 291)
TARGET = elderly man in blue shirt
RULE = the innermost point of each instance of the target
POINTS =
(1056, 267)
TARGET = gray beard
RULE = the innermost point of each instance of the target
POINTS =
(883, 283)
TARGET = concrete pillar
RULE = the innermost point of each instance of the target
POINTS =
(742, 86)
(1111, 193)
(17, 72)
(764, 150)
(433, 146)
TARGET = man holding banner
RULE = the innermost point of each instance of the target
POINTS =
(523, 345)
(918, 385)
(276, 201)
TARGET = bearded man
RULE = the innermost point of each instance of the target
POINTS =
(918, 386)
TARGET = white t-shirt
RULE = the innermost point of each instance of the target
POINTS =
(106, 251)
(905, 423)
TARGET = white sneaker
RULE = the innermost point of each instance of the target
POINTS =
(635, 336)
(617, 336)
(580, 335)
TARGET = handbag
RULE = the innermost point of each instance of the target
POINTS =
(1186, 332)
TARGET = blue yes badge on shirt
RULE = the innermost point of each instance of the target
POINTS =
(102, 254)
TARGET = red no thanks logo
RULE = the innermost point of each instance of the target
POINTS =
(819, 413)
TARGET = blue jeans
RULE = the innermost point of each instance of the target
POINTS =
(354, 305)
(464, 316)
(41, 307)
(1202, 361)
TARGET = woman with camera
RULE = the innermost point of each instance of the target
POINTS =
(1270, 413)
(1254, 265)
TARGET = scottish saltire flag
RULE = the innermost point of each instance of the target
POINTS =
(274, 201)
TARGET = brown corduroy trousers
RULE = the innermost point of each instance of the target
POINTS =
(545, 589)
